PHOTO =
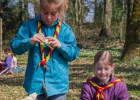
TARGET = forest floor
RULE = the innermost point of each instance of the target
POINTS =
(80, 69)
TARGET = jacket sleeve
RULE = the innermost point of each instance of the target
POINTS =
(85, 93)
(69, 49)
(123, 95)
(21, 42)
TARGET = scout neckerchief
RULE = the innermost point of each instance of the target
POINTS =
(9, 53)
(101, 89)
(43, 59)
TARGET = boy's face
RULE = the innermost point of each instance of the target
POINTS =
(103, 71)
(49, 14)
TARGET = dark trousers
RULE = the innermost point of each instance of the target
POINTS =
(55, 97)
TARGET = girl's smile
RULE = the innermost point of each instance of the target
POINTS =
(103, 71)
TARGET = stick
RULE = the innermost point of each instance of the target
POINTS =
(3, 71)
(45, 91)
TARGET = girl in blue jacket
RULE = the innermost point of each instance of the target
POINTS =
(51, 44)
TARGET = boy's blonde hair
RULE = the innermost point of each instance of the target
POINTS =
(104, 56)
(61, 6)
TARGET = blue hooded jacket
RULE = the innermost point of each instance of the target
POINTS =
(56, 78)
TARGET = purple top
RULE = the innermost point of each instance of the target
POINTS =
(116, 92)
(8, 62)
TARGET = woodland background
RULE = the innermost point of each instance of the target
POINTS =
(115, 26)
(119, 19)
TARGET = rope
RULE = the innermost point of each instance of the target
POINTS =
(101, 89)
(43, 59)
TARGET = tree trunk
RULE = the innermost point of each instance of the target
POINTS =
(79, 16)
(72, 11)
(129, 11)
(21, 12)
(132, 41)
(108, 15)
(121, 24)
(106, 30)
(0, 38)
(26, 10)
(95, 12)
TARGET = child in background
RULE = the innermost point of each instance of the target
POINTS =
(7, 64)
(104, 86)
(14, 62)
(47, 71)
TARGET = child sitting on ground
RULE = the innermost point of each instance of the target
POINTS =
(104, 86)
(7, 64)
(14, 65)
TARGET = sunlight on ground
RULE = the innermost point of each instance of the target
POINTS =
(80, 69)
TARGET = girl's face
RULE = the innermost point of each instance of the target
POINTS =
(103, 71)
(49, 14)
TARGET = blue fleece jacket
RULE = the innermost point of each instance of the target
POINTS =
(56, 78)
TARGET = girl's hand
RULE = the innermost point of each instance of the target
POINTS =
(54, 43)
(37, 38)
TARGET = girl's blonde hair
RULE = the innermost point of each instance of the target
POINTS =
(61, 6)
(104, 56)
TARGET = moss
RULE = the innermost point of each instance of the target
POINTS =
(132, 49)
(132, 53)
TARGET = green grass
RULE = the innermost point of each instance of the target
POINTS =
(80, 69)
